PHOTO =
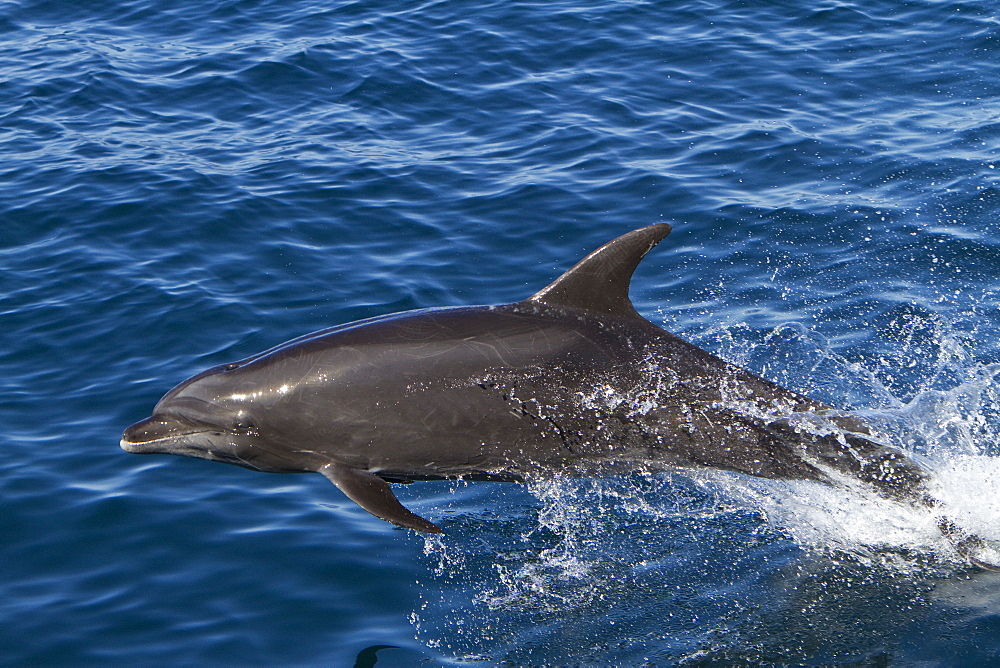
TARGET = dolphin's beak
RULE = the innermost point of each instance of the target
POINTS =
(149, 435)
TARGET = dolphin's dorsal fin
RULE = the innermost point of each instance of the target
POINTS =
(600, 281)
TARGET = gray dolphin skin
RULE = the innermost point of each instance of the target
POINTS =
(571, 381)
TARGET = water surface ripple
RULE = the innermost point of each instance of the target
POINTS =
(185, 184)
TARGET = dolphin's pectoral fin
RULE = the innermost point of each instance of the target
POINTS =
(973, 549)
(373, 494)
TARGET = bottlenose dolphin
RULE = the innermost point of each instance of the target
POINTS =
(571, 381)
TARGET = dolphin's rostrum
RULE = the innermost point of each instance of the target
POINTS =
(570, 381)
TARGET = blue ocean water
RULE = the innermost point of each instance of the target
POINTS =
(184, 184)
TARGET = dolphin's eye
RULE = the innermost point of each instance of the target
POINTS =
(231, 366)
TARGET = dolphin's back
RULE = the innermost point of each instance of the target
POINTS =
(528, 389)
(477, 391)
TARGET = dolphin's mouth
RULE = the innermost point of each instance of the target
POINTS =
(155, 435)
(156, 446)
(176, 435)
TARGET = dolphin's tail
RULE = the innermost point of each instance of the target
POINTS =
(973, 549)
(896, 476)
(891, 473)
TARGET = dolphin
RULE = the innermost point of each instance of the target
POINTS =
(570, 381)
